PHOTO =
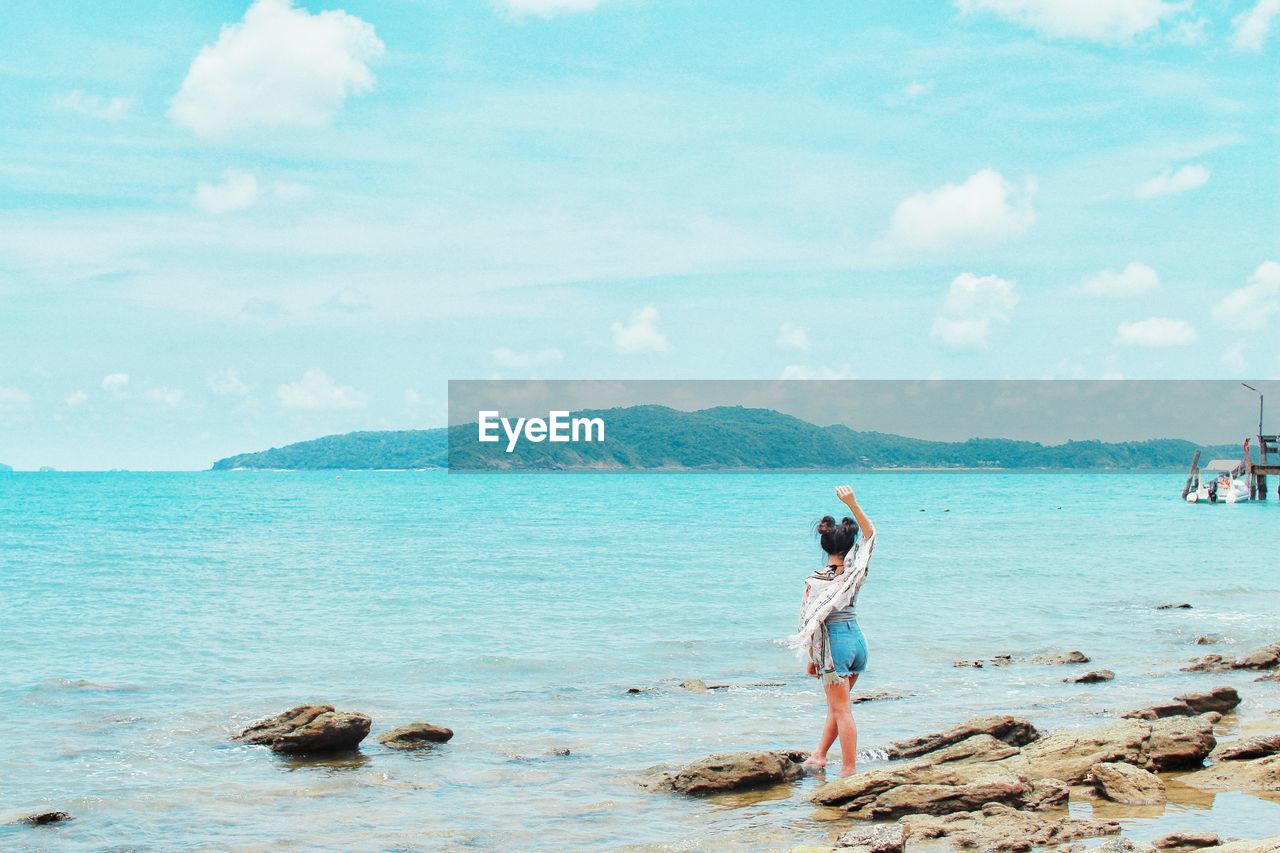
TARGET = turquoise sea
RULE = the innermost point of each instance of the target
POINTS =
(147, 616)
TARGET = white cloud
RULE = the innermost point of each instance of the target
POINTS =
(227, 383)
(972, 305)
(349, 301)
(507, 357)
(165, 396)
(1251, 307)
(1156, 332)
(115, 383)
(1233, 357)
(1092, 20)
(76, 398)
(1174, 181)
(290, 190)
(548, 8)
(641, 334)
(1134, 280)
(237, 191)
(413, 398)
(95, 106)
(279, 66)
(791, 336)
(918, 88)
(985, 209)
(804, 371)
(317, 390)
(13, 398)
(1252, 27)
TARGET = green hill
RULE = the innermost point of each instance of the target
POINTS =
(657, 437)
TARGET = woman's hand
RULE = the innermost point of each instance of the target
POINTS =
(812, 668)
(845, 494)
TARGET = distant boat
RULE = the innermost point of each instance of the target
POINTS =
(1221, 481)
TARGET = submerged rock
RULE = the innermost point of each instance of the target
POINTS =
(1265, 658)
(1001, 827)
(1057, 659)
(1206, 640)
(1257, 747)
(45, 818)
(891, 838)
(310, 729)
(737, 771)
(1182, 605)
(1270, 844)
(1124, 845)
(415, 736)
(1003, 727)
(1092, 677)
(877, 696)
(1186, 839)
(1125, 783)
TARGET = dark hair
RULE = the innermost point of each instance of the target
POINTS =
(837, 538)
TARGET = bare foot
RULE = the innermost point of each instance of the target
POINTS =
(814, 761)
(847, 771)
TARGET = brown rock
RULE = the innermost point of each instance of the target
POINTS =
(1124, 845)
(1274, 675)
(1003, 727)
(1206, 640)
(737, 771)
(1186, 839)
(1219, 700)
(1179, 606)
(1255, 776)
(1257, 747)
(45, 818)
(1056, 659)
(1156, 712)
(1000, 827)
(1267, 657)
(1210, 663)
(310, 729)
(994, 784)
(1270, 844)
(876, 696)
(1091, 677)
(1166, 744)
(1180, 743)
(415, 736)
(874, 839)
(976, 664)
(1124, 783)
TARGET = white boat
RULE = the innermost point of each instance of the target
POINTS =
(1221, 481)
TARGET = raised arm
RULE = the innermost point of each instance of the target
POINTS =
(846, 496)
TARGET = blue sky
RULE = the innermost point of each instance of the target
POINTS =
(226, 227)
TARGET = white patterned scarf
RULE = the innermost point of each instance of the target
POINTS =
(824, 594)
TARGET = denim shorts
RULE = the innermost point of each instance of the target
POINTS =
(848, 647)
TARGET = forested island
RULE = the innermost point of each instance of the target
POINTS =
(658, 437)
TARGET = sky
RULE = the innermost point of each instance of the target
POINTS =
(226, 226)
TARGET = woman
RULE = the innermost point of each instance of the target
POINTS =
(829, 635)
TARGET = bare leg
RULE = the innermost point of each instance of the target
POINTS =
(818, 758)
(838, 703)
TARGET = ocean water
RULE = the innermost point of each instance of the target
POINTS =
(147, 616)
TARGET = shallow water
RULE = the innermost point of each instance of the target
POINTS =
(146, 616)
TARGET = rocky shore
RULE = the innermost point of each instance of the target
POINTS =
(998, 783)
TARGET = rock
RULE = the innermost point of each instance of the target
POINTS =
(309, 729)
(738, 770)
(1219, 700)
(1124, 783)
(1091, 677)
(1055, 659)
(1270, 676)
(415, 736)
(1166, 744)
(1124, 845)
(1002, 660)
(1179, 606)
(977, 748)
(1267, 657)
(992, 784)
(1186, 839)
(1210, 663)
(559, 751)
(1270, 844)
(1003, 727)
(976, 664)
(874, 839)
(45, 818)
(877, 696)
(1258, 747)
(696, 685)
(1254, 776)
(637, 689)
(1206, 640)
(1000, 827)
